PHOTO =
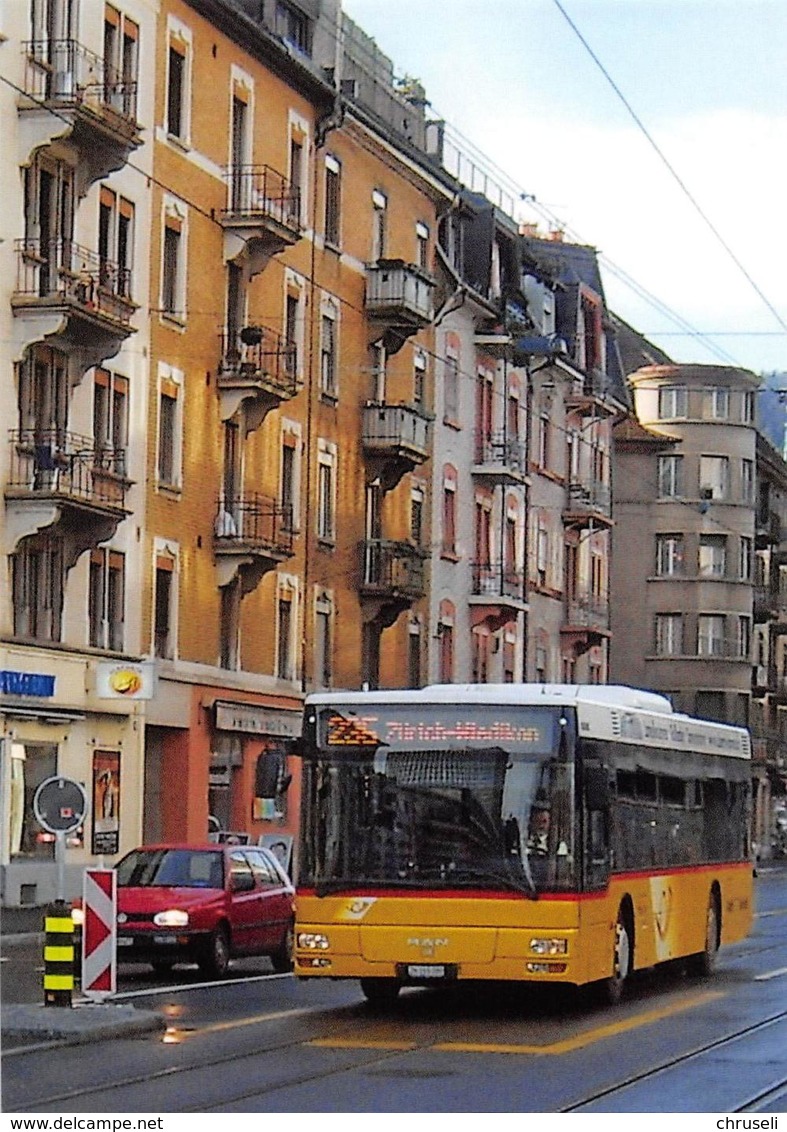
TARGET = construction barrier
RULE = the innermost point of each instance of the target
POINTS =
(58, 955)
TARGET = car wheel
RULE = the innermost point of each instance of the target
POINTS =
(162, 966)
(612, 987)
(282, 958)
(380, 992)
(704, 961)
(216, 958)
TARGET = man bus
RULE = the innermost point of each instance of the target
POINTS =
(535, 832)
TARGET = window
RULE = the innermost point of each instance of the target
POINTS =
(669, 555)
(284, 627)
(716, 403)
(747, 412)
(49, 225)
(44, 395)
(542, 437)
(378, 367)
(417, 515)
(713, 556)
(481, 639)
(673, 402)
(379, 226)
(333, 201)
(169, 432)
(747, 481)
(419, 377)
(289, 494)
(171, 272)
(449, 515)
(670, 476)
(414, 655)
(326, 492)
(422, 246)
(296, 179)
(483, 415)
(542, 554)
(328, 373)
(445, 632)
(746, 558)
(451, 389)
(121, 37)
(115, 243)
(711, 639)
(669, 634)
(110, 420)
(229, 625)
(293, 323)
(30, 765)
(714, 477)
(293, 26)
(509, 658)
(177, 87)
(163, 607)
(106, 599)
(744, 637)
(38, 577)
(323, 641)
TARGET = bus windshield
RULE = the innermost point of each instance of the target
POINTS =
(437, 802)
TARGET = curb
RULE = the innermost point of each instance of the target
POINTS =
(78, 1025)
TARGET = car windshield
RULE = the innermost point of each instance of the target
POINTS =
(171, 868)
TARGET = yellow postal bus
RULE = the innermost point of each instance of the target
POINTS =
(550, 833)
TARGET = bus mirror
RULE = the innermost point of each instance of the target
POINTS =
(596, 787)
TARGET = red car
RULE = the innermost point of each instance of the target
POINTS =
(203, 904)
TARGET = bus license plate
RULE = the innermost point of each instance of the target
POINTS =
(425, 971)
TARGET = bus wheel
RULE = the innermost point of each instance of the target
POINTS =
(704, 961)
(380, 992)
(621, 962)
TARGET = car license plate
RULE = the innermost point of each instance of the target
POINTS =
(124, 941)
(426, 971)
(165, 939)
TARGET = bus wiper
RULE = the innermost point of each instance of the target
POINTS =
(354, 884)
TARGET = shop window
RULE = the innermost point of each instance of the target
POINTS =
(31, 764)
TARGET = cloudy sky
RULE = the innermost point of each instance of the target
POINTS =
(655, 130)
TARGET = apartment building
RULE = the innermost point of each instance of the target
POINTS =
(74, 339)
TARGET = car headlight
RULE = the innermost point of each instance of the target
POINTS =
(557, 946)
(172, 918)
(78, 917)
(313, 941)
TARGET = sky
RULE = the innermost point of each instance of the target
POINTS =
(655, 130)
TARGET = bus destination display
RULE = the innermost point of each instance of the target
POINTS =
(437, 728)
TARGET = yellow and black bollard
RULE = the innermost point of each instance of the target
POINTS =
(58, 955)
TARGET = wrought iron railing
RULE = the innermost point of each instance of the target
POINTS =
(498, 450)
(497, 580)
(60, 269)
(50, 462)
(66, 72)
(262, 192)
(253, 521)
(390, 568)
(259, 354)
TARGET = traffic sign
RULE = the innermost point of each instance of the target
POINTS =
(60, 804)
(99, 934)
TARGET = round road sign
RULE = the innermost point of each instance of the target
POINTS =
(60, 804)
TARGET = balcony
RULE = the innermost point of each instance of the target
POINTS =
(262, 217)
(252, 535)
(587, 396)
(257, 370)
(393, 576)
(588, 505)
(396, 439)
(59, 477)
(586, 621)
(398, 295)
(497, 594)
(767, 530)
(77, 299)
(69, 94)
(499, 458)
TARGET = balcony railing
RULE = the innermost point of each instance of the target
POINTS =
(258, 355)
(59, 269)
(587, 611)
(389, 428)
(258, 192)
(64, 72)
(586, 495)
(400, 292)
(496, 580)
(52, 462)
(392, 569)
(499, 452)
(252, 522)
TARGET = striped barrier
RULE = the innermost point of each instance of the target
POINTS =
(58, 955)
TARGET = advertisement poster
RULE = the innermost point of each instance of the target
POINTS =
(106, 802)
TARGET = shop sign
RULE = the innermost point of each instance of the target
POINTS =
(125, 680)
(26, 683)
(255, 720)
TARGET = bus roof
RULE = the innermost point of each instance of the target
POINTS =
(604, 711)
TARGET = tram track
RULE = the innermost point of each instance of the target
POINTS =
(752, 1104)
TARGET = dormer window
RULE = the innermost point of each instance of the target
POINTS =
(293, 26)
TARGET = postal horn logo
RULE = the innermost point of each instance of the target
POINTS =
(125, 682)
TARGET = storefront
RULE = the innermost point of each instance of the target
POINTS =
(75, 716)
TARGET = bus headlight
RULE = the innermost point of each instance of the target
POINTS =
(556, 946)
(313, 941)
